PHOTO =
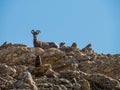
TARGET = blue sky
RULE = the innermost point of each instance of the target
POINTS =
(81, 21)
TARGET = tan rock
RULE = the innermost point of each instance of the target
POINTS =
(5, 69)
(65, 62)
(53, 52)
(26, 77)
(104, 81)
(36, 50)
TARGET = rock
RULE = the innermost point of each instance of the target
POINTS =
(6, 82)
(50, 73)
(36, 51)
(5, 69)
(52, 56)
(45, 69)
(26, 81)
(42, 69)
(76, 85)
(63, 81)
(57, 87)
(104, 81)
(63, 87)
(20, 68)
(53, 52)
(64, 68)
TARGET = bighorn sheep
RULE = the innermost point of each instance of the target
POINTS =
(61, 45)
(44, 45)
(74, 45)
(88, 47)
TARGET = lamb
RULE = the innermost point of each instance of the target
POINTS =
(43, 45)
(74, 45)
(88, 47)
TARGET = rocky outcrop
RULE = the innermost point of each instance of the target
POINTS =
(64, 68)
(25, 81)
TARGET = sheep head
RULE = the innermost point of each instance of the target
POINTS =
(35, 32)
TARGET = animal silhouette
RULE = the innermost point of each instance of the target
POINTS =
(38, 43)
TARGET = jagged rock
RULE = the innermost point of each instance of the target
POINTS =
(63, 81)
(5, 69)
(63, 87)
(25, 82)
(103, 81)
(45, 69)
(64, 68)
(76, 85)
(53, 52)
(70, 74)
(42, 69)
(9, 45)
(51, 73)
(52, 56)
(57, 87)
(20, 68)
(36, 51)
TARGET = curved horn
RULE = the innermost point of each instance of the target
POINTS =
(32, 31)
(38, 31)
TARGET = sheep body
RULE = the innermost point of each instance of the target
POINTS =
(44, 45)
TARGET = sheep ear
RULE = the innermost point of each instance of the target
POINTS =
(38, 31)
(32, 31)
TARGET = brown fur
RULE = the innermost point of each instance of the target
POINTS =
(38, 61)
(74, 45)
(61, 45)
(87, 47)
(44, 45)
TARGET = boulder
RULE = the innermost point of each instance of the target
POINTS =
(25, 81)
